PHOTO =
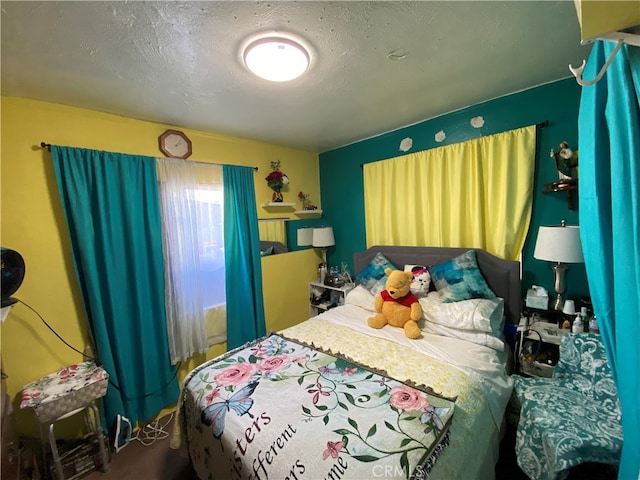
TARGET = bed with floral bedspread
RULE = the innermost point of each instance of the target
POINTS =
(277, 408)
(333, 398)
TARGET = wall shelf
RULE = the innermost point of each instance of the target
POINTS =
(563, 186)
(308, 212)
(278, 205)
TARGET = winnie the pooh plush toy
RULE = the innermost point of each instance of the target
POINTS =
(396, 305)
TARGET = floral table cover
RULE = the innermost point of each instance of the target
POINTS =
(65, 390)
(572, 418)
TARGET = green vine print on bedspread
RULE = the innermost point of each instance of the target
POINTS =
(364, 415)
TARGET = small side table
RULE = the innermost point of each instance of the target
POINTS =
(540, 349)
(330, 296)
(63, 394)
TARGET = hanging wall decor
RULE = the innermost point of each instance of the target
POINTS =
(276, 180)
(566, 162)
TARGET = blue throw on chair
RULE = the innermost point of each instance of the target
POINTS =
(571, 418)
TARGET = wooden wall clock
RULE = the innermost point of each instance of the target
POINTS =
(175, 144)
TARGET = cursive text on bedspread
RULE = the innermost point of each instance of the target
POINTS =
(263, 459)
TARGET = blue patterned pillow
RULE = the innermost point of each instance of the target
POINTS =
(372, 277)
(460, 279)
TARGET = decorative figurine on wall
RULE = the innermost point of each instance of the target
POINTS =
(276, 181)
(566, 161)
(306, 202)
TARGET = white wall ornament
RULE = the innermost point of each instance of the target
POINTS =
(477, 122)
(440, 136)
(406, 144)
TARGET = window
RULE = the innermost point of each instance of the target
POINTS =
(193, 245)
(209, 217)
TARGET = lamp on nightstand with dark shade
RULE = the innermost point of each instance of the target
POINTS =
(559, 244)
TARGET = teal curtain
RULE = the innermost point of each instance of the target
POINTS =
(112, 208)
(609, 195)
(245, 308)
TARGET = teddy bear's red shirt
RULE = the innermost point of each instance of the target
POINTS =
(408, 300)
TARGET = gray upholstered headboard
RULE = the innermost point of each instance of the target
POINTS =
(503, 276)
(278, 247)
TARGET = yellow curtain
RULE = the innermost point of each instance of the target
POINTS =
(475, 194)
(272, 230)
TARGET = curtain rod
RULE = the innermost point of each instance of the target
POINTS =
(538, 125)
(48, 147)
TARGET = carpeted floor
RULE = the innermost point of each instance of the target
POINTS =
(155, 461)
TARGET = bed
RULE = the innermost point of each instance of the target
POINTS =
(334, 398)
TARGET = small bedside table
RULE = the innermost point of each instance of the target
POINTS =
(329, 296)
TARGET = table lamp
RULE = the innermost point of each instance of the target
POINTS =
(559, 244)
(323, 238)
(305, 237)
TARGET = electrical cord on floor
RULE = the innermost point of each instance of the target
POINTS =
(152, 432)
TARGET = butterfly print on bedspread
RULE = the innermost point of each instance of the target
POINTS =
(240, 402)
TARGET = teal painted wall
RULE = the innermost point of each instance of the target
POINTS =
(558, 102)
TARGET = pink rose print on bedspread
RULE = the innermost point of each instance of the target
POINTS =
(273, 364)
(407, 398)
(235, 374)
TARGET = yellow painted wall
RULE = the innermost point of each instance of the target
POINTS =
(32, 222)
(298, 269)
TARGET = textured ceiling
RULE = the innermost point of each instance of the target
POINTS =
(178, 62)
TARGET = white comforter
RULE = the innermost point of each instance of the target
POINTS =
(485, 365)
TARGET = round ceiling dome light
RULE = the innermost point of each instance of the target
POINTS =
(276, 59)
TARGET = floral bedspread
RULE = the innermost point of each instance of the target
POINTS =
(278, 408)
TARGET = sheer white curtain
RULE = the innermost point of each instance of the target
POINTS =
(191, 196)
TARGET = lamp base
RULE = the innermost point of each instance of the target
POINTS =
(558, 305)
(559, 270)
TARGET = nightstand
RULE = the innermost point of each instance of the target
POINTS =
(539, 349)
(323, 297)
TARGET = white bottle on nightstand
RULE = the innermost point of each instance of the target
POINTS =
(578, 326)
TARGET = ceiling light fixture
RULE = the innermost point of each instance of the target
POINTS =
(276, 58)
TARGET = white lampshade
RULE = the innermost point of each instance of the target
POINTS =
(305, 237)
(559, 244)
(323, 237)
(569, 307)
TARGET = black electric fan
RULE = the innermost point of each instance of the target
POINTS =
(13, 270)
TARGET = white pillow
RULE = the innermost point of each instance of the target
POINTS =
(360, 297)
(480, 338)
(421, 279)
(484, 315)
